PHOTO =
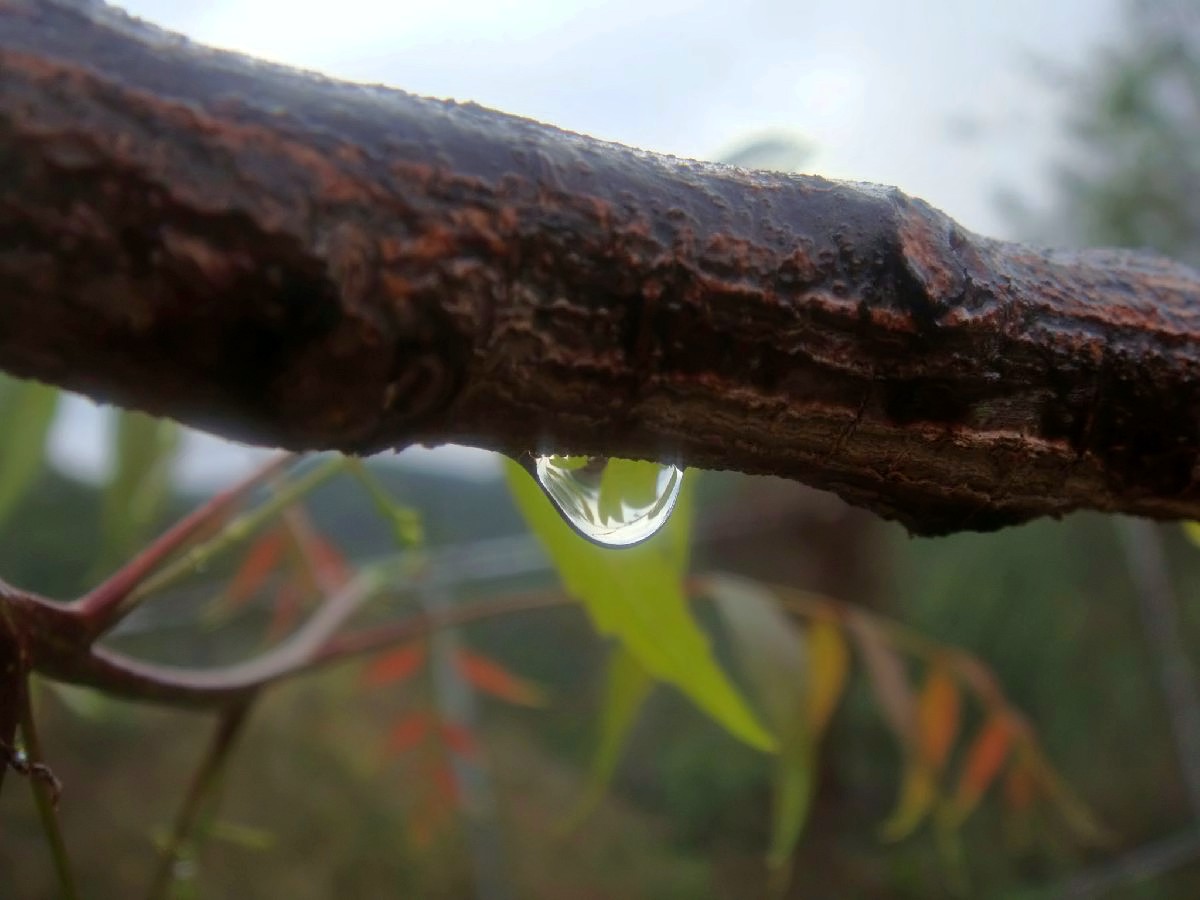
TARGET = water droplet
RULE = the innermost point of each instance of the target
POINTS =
(611, 502)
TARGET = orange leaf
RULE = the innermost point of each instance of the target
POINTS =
(938, 710)
(408, 732)
(490, 677)
(261, 559)
(985, 757)
(828, 665)
(395, 666)
(460, 739)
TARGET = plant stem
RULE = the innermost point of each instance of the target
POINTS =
(229, 726)
(43, 797)
(102, 606)
(235, 532)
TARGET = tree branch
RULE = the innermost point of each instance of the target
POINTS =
(284, 259)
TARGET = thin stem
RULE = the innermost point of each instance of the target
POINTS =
(100, 607)
(44, 797)
(229, 726)
(13, 674)
(122, 676)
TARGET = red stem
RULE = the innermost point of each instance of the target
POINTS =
(100, 608)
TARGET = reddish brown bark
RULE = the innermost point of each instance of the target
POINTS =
(287, 260)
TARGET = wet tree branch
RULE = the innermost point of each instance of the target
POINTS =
(284, 259)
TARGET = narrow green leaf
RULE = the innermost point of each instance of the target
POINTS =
(828, 668)
(139, 488)
(771, 652)
(636, 595)
(767, 646)
(627, 685)
(26, 412)
(792, 793)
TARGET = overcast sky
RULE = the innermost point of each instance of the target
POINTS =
(941, 98)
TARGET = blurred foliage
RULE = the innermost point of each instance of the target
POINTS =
(1134, 173)
(903, 774)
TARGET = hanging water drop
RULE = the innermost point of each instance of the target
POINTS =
(611, 502)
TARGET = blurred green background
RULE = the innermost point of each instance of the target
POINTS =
(314, 805)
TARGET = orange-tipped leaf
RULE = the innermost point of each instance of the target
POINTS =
(408, 732)
(489, 677)
(397, 665)
(262, 558)
(984, 761)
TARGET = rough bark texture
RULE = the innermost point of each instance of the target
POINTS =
(287, 260)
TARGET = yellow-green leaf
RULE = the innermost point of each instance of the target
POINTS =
(1192, 531)
(26, 413)
(937, 716)
(777, 661)
(791, 795)
(828, 668)
(767, 646)
(627, 686)
(918, 792)
(636, 595)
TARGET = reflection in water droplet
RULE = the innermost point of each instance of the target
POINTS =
(611, 502)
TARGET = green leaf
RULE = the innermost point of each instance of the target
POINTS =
(636, 595)
(768, 647)
(627, 685)
(771, 652)
(139, 488)
(26, 412)
(792, 793)
(1192, 531)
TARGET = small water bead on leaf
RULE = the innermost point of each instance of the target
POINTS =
(611, 502)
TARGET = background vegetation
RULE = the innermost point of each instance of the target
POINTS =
(341, 786)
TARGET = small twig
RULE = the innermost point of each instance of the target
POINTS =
(13, 672)
(102, 607)
(13, 757)
(46, 791)
(229, 726)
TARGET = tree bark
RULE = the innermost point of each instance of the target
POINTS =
(287, 260)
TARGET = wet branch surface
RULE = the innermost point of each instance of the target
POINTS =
(288, 260)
